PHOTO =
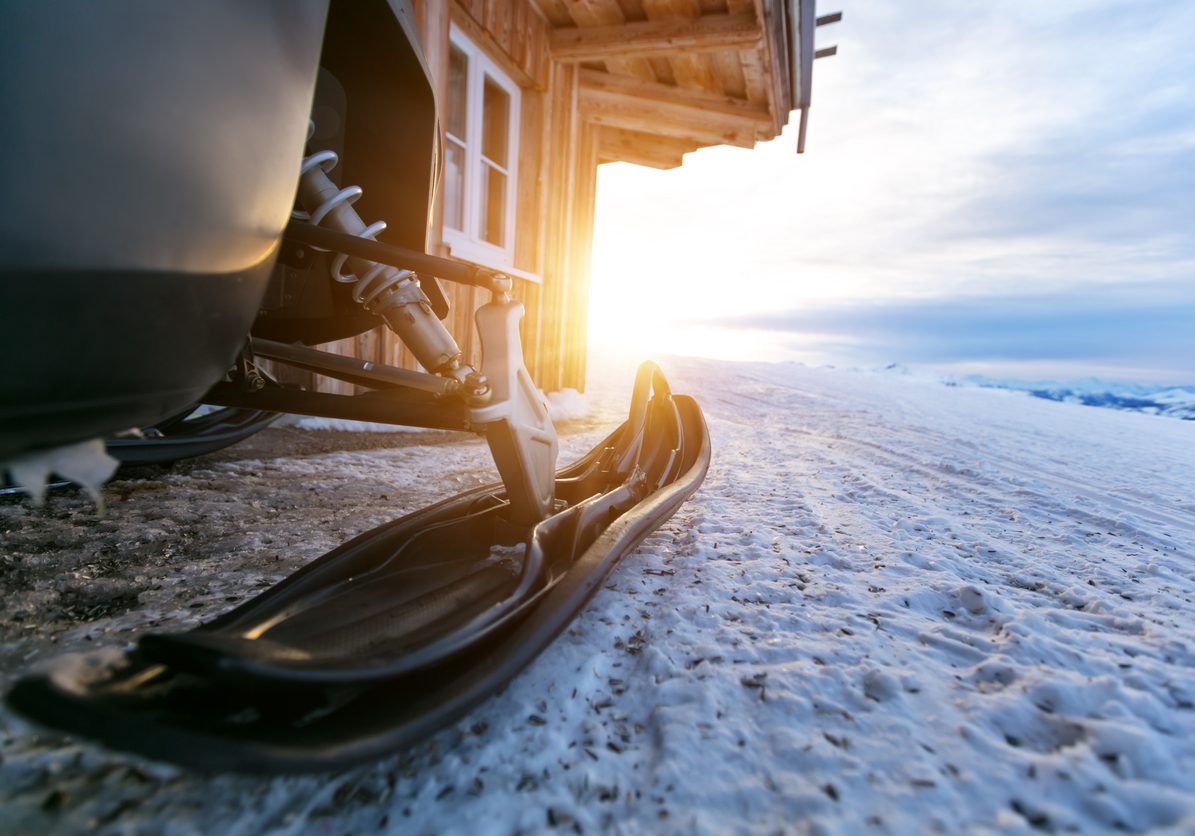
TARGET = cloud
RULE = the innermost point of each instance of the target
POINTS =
(957, 148)
(1144, 327)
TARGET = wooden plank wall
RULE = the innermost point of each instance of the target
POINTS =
(558, 158)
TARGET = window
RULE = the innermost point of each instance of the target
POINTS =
(482, 132)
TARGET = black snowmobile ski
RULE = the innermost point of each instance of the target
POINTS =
(188, 434)
(393, 634)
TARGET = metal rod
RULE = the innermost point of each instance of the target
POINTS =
(444, 268)
(408, 409)
(338, 366)
(801, 131)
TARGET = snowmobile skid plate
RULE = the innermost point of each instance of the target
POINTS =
(394, 634)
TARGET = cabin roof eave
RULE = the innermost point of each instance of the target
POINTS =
(651, 67)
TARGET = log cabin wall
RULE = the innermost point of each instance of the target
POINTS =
(644, 81)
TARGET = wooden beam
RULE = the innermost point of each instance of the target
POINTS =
(691, 70)
(619, 145)
(660, 110)
(590, 13)
(776, 60)
(655, 37)
(826, 52)
(826, 20)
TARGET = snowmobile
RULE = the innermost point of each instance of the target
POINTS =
(182, 210)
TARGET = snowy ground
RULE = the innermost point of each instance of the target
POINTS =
(893, 607)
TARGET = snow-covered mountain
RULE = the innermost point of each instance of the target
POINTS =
(1171, 401)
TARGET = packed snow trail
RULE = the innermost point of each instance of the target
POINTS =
(893, 606)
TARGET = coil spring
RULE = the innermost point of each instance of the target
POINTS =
(380, 278)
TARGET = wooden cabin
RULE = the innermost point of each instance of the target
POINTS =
(535, 94)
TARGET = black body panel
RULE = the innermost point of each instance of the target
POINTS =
(89, 353)
(152, 154)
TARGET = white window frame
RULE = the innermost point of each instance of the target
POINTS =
(468, 243)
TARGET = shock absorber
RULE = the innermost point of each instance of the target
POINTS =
(390, 292)
(507, 407)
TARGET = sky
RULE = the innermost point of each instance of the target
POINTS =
(1000, 188)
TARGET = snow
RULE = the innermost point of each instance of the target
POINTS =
(567, 405)
(85, 463)
(893, 606)
(344, 425)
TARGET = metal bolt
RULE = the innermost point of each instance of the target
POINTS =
(477, 388)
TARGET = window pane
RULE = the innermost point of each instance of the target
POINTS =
(454, 186)
(495, 119)
(458, 96)
(493, 205)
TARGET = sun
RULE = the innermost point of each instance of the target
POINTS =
(659, 284)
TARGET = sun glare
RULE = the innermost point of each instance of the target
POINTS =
(679, 255)
(673, 266)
